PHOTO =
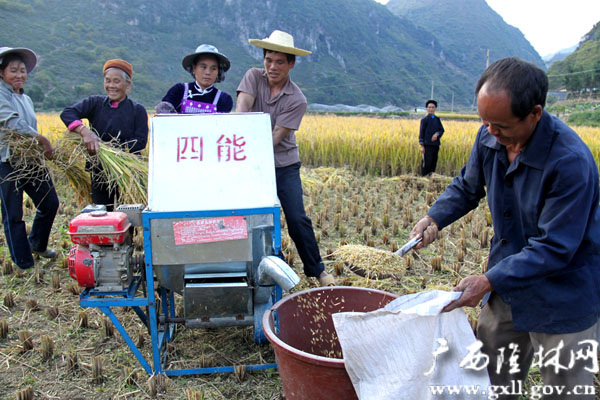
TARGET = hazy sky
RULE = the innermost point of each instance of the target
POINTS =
(549, 25)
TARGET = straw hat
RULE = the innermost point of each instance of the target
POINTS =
(279, 41)
(29, 57)
(205, 49)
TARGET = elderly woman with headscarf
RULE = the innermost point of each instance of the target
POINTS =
(17, 115)
(113, 117)
(207, 66)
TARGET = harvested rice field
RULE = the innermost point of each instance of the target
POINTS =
(51, 348)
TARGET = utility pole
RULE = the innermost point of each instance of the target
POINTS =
(431, 90)
(487, 59)
(452, 106)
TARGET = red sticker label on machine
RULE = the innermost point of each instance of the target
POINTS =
(209, 230)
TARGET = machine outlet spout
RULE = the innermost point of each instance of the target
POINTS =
(274, 269)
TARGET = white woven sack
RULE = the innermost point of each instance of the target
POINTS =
(389, 353)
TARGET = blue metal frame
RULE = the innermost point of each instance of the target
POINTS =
(128, 299)
(161, 335)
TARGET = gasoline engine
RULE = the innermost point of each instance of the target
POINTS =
(102, 255)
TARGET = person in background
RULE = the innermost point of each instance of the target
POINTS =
(541, 290)
(271, 90)
(17, 115)
(114, 117)
(429, 138)
(207, 66)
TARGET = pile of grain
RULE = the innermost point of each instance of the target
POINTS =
(370, 262)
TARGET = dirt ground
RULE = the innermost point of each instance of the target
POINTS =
(54, 349)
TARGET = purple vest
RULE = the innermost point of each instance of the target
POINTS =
(197, 107)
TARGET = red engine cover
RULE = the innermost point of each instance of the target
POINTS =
(81, 266)
(99, 227)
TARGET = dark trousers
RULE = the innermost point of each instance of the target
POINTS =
(429, 160)
(289, 191)
(102, 193)
(43, 195)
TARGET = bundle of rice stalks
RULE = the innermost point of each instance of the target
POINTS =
(26, 157)
(120, 169)
(69, 163)
(371, 263)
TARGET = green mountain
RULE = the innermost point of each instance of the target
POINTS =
(581, 69)
(560, 55)
(362, 52)
(466, 30)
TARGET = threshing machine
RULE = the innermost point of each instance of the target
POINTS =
(211, 234)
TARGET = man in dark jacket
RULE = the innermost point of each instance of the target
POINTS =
(429, 138)
(541, 290)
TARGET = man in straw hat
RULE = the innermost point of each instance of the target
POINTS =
(271, 90)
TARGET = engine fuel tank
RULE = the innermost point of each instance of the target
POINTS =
(99, 227)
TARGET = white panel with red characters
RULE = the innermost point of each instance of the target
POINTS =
(204, 162)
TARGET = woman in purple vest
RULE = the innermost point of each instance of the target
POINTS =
(207, 66)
